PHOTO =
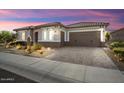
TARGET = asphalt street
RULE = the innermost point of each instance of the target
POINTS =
(9, 77)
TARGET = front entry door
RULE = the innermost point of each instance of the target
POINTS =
(36, 37)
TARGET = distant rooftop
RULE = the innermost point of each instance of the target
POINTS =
(121, 29)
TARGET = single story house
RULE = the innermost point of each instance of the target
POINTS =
(56, 34)
(117, 35)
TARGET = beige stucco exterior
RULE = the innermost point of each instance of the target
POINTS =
(55, 34)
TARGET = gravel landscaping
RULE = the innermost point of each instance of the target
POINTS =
(22, 52)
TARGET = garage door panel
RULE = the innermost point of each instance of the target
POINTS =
(84, 38)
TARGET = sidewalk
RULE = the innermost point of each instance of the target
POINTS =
(43, 70)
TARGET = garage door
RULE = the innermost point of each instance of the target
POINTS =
(84, 38)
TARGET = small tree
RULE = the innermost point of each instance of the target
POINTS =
(107, 36)
(6, 36)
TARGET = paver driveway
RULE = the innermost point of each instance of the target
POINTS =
(92, 56)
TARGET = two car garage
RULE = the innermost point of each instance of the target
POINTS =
(90, 38)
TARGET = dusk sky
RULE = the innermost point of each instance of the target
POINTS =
(10, 19)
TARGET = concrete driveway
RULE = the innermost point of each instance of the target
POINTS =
(91, 56)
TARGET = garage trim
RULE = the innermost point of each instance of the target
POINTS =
(102, 37)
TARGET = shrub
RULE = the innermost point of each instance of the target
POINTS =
(36, 47)
(19, 46)
(7, 46)
(107, 36)
(116, 44)
(40, 51)
(119, 51)
(28, 50)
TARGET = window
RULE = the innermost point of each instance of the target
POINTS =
(48, 35)
(44, 35)
(51, 35)
(23, 35)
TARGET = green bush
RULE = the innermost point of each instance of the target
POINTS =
(107, 36)
(119, 51)
(116, 44)
(36, 47)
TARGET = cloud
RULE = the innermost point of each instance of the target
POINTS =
(8, 25)
(41, 13)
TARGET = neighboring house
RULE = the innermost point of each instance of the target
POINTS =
(117, 35)
(56, 34)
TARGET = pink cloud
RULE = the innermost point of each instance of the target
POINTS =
(48, 13)
(51, 13)
(6, 25)
(4, 13)
(98, 13)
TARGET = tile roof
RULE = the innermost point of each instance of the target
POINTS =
(85, 24)
(49, 24)
(24, 28)
(80, 24)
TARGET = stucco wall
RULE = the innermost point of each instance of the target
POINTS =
(56, 37)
